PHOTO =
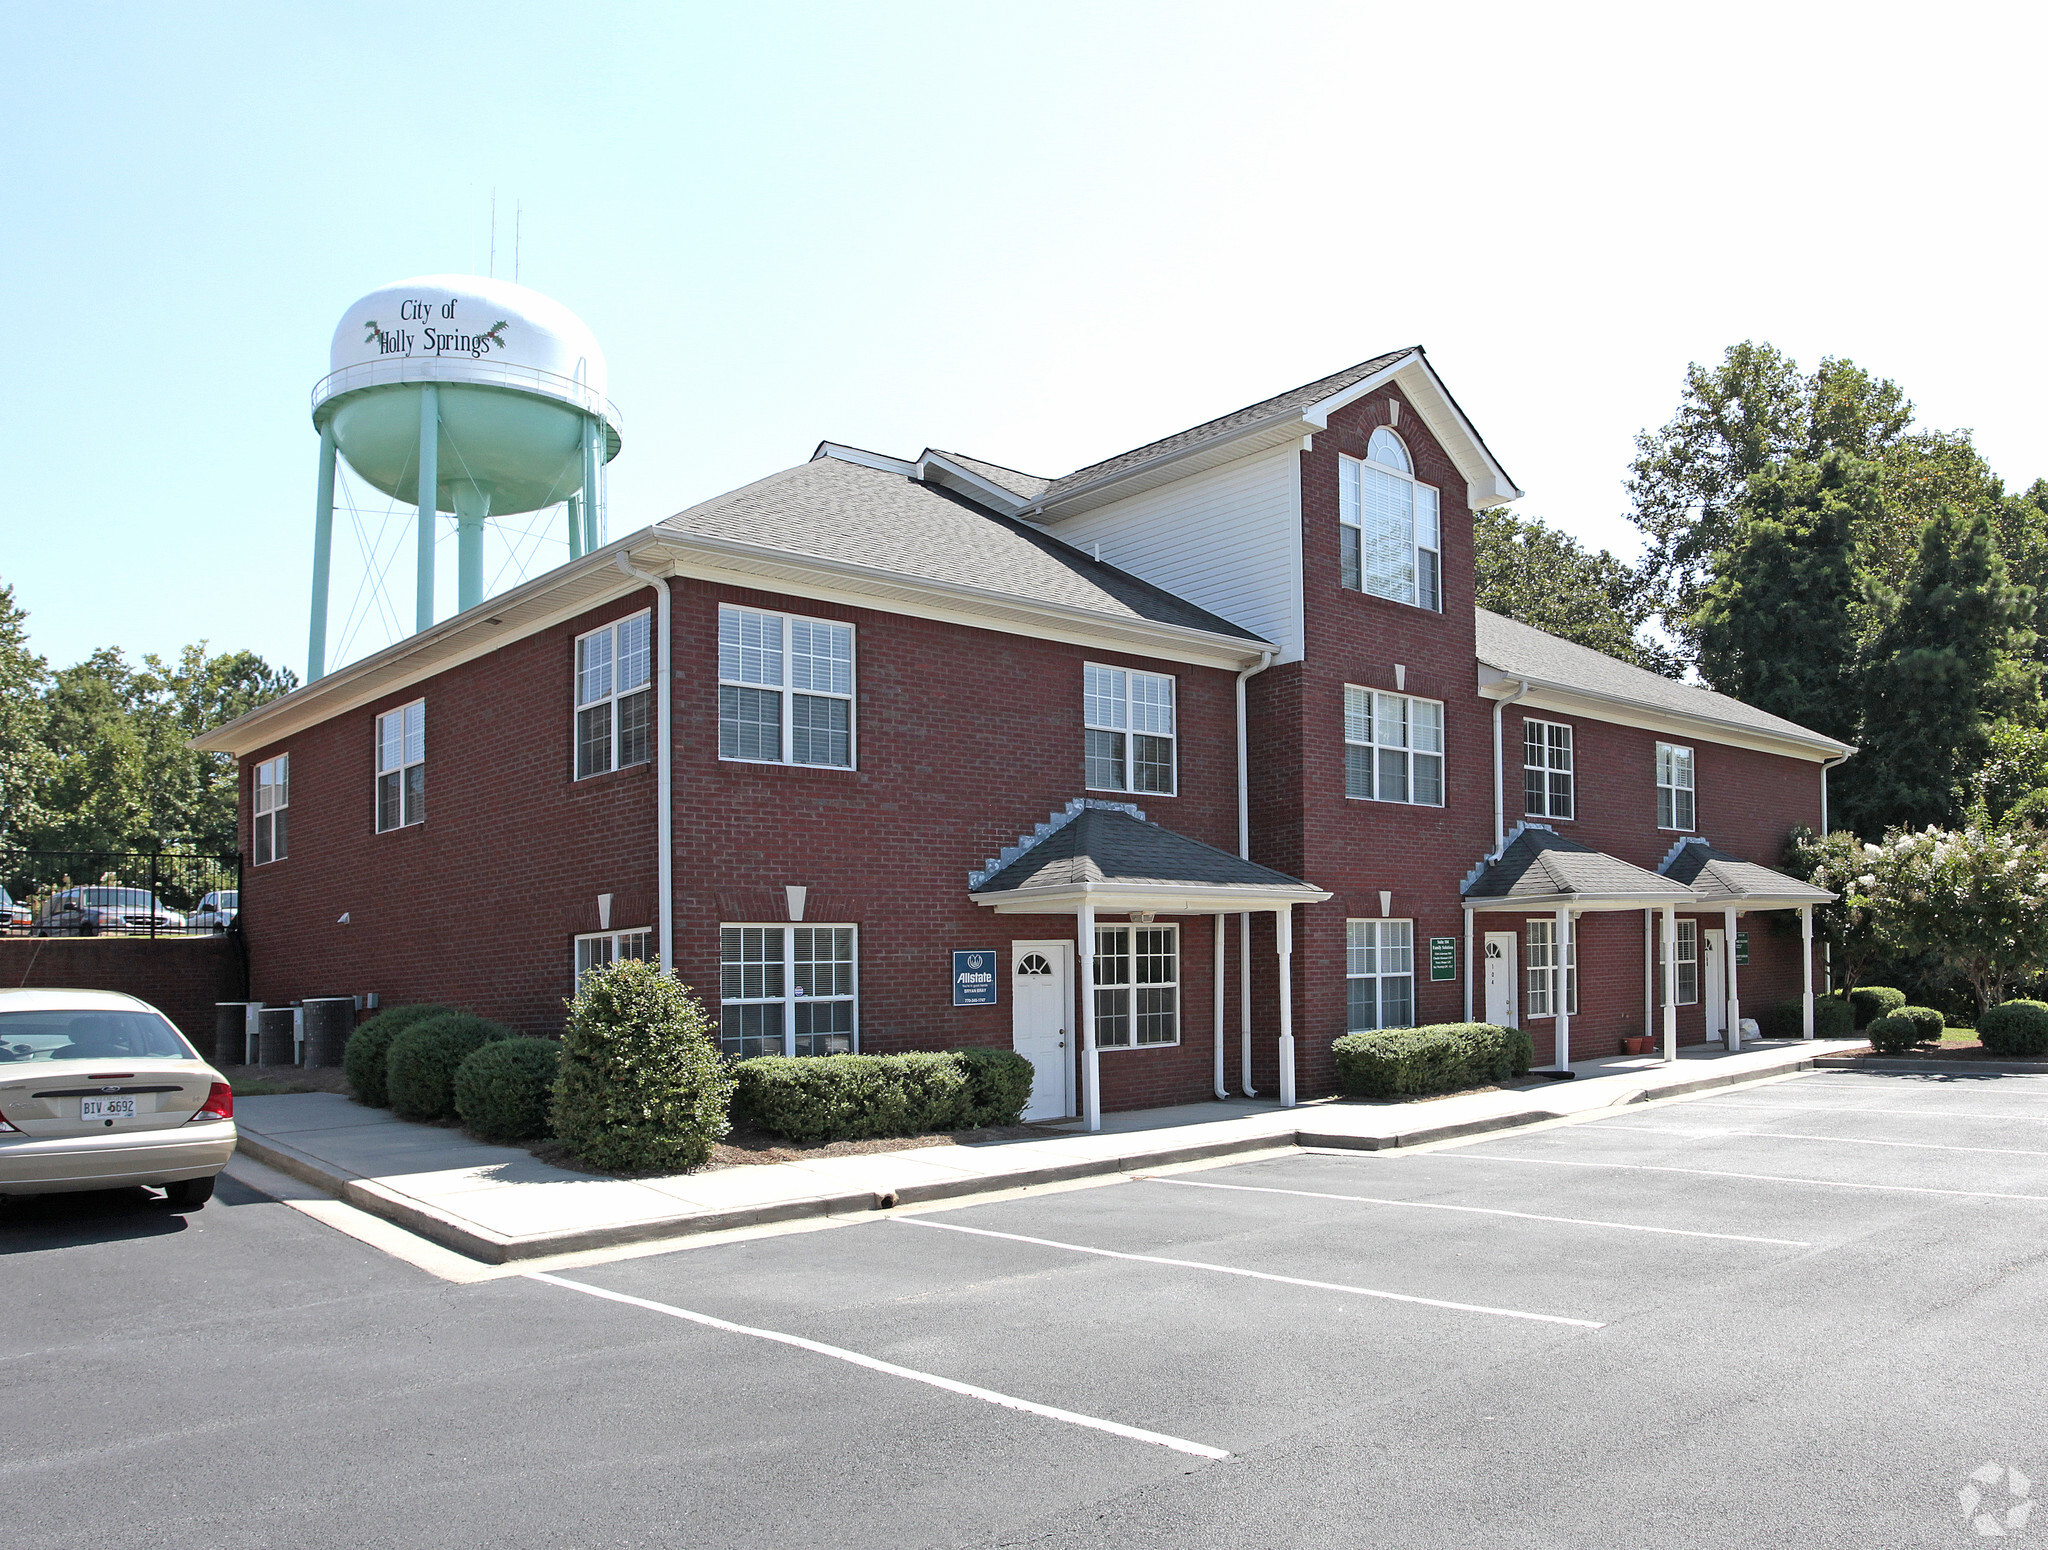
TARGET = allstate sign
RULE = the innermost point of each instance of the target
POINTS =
(974, 977)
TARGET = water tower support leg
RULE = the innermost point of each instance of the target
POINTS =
(430, 484)
(575, 529)
(469, 560)
(323, 547)
(593, 461)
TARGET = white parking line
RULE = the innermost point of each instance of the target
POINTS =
(1527, 1216)
(1255, 1275)
(1848, 1108)
(1795, 1135)
(890, 1369)
(1708, 1173)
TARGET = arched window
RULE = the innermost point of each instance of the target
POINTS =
(1389, 521)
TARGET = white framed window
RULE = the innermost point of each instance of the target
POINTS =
(1390, 526)
(1540, 955)
(605, 947)
(788, 990)
(1393, 747)
(614, 725)
(785, 689)
(1674, 787)
(1137, 986)
(402, 766)
(1129, 722)
(1379, 974)
(1687, 933)
(273, 803)
(1547, 769)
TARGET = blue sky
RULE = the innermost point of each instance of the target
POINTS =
(1039, 234)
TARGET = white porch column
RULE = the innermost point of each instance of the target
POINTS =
(1670, 982)
(1468, 963)
(1283, 935)
(1091, 1058)
(1559, 984)
(1649, 977)
(1216, 984)
(1734, 998)
(1244, 1005)
(1806, 971)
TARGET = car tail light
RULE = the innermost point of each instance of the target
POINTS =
(220, 1103)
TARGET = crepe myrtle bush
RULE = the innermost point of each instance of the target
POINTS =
(362, 1060)
(1439, 1058)
(1975, 898)
(641, 1085)
(420, 1068)
(502, 1090)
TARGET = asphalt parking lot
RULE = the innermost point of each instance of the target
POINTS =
(1799, 1312)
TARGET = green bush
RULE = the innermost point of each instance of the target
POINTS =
(502, 1090)
(812, 1098)
(1893, 1035)
(1409, 1062)
(362, 1060)
(419, 1069)
(1833, 1018)
(2015, 1030)
(641, 1085)
(1874, 1001)
(998, 1086)
(1927, 1020)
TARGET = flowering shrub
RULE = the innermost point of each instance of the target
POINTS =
(1976, 898)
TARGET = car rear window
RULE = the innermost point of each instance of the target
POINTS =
(90, 1035)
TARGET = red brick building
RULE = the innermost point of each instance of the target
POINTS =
(865, 749)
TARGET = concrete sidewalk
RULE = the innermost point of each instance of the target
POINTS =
(499, 1203)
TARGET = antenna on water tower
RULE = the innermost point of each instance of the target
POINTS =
(472, 396)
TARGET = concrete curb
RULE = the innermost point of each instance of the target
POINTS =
(480, 1243)
(1907, 1063)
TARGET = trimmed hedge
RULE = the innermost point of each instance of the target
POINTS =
(502, 1090)
(1893, 1035)
(1927, 1019)
(1833, 1018)
(2015, 1030)
(1440, 1058)
(362, 1060)
(419, 1069)
(998, 1086)
(1874, 1001)
(812, 1098)
(641, 1085)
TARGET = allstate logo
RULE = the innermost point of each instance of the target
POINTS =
(975, 960)
(1981, 1512)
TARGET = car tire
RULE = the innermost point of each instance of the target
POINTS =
(188, 1194)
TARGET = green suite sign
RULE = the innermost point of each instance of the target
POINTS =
(1443, 958)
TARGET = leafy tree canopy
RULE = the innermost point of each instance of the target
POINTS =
(25, 760)
(1542, 577)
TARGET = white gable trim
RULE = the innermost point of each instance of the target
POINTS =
(1486, 482)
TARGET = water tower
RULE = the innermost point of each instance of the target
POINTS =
(457, 394)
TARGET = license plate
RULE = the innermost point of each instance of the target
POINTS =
(106, 1108)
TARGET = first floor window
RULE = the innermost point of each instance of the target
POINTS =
(1393, 747)
(1688, 962)
(402, 766)
(1541, 956)
(1379, 974)
(1137, 986)
(787, 990)
(1129, 720)
(606, 947)
(1546, 769)
(1674, 787)
(785, 689)
(273, 798)
(614, 703)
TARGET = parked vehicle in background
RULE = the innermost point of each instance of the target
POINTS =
(14, 917)
(97, 911)
(217, 910)
(101, 1091)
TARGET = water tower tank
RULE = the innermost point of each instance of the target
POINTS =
(472, 396)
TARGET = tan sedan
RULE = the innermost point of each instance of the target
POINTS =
(101, 1091)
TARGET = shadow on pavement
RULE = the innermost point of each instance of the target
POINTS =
(34, 1223)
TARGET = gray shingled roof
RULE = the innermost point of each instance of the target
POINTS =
(1717, 877)
(1108, 847)
(1294, 399)
(1029, 486)
(1541, 864)
(853, 514)
(1521, 650)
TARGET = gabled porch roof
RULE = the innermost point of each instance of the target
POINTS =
(1539, 868)
(1719, 878)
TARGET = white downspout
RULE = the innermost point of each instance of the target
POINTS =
(1216, 926)
(1825, 766)
(664, 764)
(1244, 850)
(1500, 812)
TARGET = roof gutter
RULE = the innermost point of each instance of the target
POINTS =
(1507, 675)
(664, 764)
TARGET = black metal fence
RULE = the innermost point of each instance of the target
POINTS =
(119, 893)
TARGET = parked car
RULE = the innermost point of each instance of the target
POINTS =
(217, 910)
(96, 911)
(101, 1091)
(14, 917)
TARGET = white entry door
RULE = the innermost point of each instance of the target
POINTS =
(1501, 983)
(1041, 1009)
(1714, 987)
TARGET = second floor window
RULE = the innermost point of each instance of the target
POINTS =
(273, 801)
(1389, 525)
(1130, 730)
(1674, 787)
(402, 766)
(785, 689)
(614, 703)
(1393, 747)
(1547, 769)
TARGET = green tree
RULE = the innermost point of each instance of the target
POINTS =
(26, 763)
(1953, 659)
(1532, 572)
(1844, 865)
(1974, 898)
(1777, 628)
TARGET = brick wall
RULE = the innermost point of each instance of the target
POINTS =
(182, 977)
